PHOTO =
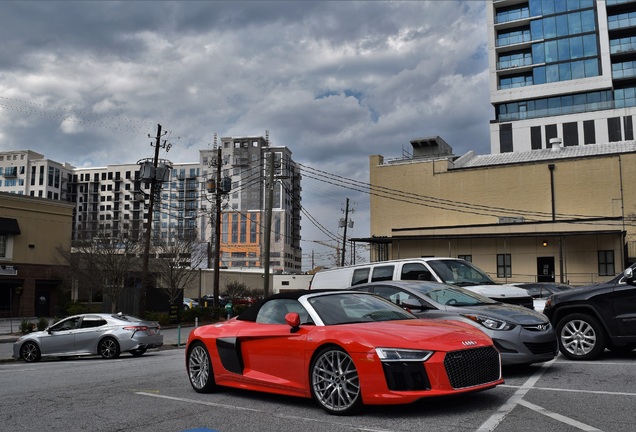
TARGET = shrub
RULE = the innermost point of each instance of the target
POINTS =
(26, 326)
(43, 323)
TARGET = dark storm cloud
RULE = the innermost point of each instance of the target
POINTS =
(335, 81)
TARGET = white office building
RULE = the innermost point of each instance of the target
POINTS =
(561, 69)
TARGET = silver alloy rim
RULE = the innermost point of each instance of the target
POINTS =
(198, 367)
(108, 348)
(29, 352)
(335, 381)
(578, 337)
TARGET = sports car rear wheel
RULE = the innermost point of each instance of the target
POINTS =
(200, 369)
(335, 384)
(108, 348)
(30, 352)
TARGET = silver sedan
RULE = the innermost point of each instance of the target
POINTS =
(106, 335)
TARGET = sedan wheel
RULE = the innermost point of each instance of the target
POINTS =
(335, 383)
(108, 348)
(200, 369)
(30, 352)
(581, 337)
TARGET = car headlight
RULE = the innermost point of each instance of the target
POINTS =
(490, 323)
(400, 354)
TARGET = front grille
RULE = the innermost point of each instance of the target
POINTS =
(472, 367)
(543, 347)
(403, 376)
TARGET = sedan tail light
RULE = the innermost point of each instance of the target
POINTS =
(136, 328)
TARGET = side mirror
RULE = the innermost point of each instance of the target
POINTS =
(293, 320)
(628, 275)
(414, 306)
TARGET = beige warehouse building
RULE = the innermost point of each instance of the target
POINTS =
(560, 214)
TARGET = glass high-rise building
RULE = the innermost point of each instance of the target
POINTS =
(562, 69)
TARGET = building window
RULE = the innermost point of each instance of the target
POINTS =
(3, 245)
(614, 129)
(468, 258)
(505, 138)
(589, 132)
(535, 138)
(606, 263)
(629, 128)
(550, 132)
(504, 265)
(570, 134)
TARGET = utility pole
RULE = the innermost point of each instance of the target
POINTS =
(344, 236)
(268, 221)
(151, 204)
(217, 230)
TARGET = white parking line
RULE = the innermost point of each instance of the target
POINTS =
(234, 407)
(517, 399)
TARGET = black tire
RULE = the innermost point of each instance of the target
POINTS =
(108, 348)
(581, 337)
(334, 382)
(199, 368)
(30, 352)
(138, 352)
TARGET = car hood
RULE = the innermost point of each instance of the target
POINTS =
(510, 313)
(498, 291)
(428, 334)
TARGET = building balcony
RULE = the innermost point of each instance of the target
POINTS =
(10, 172)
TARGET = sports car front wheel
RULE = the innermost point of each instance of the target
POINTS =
(200, 369)
(335, 384)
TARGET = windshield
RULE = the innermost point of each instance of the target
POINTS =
(455, 296)
(350, 308)
(459, 272)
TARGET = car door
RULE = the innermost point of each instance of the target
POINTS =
(273, 355)
(60, 338)
(88, 333)
(624, 302)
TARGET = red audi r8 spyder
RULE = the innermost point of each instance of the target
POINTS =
(345, 349)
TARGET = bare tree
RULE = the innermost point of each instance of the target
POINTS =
(103, 260)
(174, 263)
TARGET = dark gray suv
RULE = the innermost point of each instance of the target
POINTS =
(590, 319)
(521, 335)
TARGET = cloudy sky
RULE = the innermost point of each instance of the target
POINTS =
(335, 81)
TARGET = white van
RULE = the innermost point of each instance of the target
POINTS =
(451, 271)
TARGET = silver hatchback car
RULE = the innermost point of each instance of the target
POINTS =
(521, 335)
(106, 335)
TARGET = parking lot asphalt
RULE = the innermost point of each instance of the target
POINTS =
(173, 336)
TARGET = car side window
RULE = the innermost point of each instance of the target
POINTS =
(396, 295)
(382, 273)
(274, 311)
(91, 322)
(415, 271)
(360, 276)
(68, 324)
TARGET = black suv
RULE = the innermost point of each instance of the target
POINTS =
(590, 319)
